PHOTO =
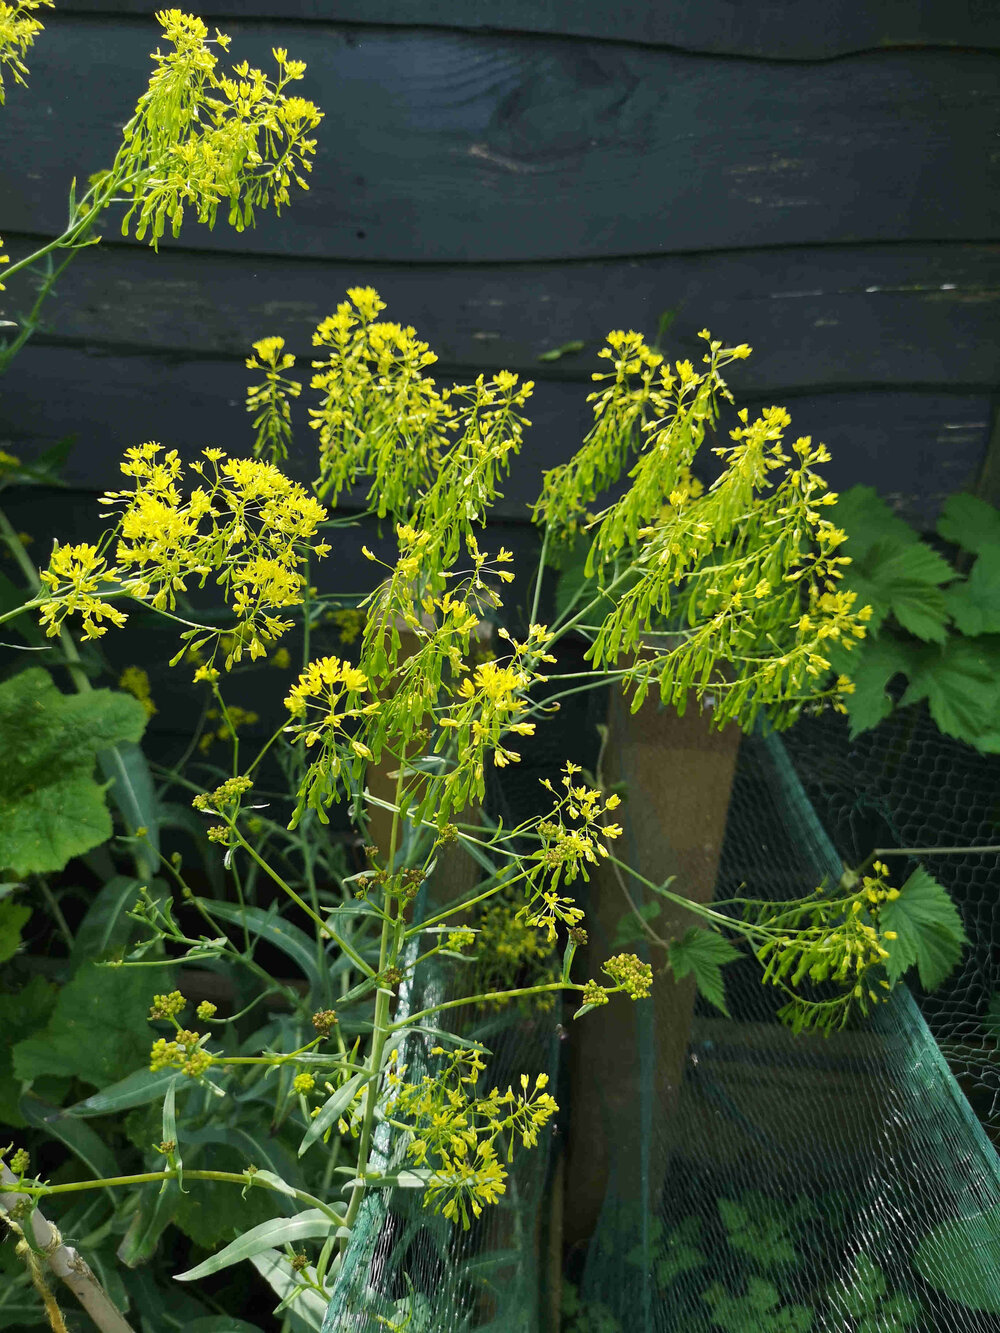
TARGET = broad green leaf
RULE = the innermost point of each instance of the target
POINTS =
(956, 1258)
(871, 665)
(974, 603)
(98, 1031)
(14, 916)
(276, 930)
(703, 954)
(309, 1225)
(51, 809)
(215, 1212)
(81, 1140)
(331, 1111)
(961, 683)
(970, 523)
(22, 1013)
(928, 929)
(137, 1089)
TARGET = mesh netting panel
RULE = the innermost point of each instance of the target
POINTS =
(904, 784)
(786, 1184)
(797, 1183)
(406, 1267)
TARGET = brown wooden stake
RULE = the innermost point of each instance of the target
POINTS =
(678, 774)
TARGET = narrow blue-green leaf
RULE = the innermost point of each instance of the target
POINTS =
(132, 790)
(170, 1131)
(138, 1089)
(308, 1225)
(89, 1147)
(310, 1307)
(268, 926)
(331, 1110)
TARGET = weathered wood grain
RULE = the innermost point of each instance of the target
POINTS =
(456, 147)
(844, 315)
(782, 29)
(915, 447)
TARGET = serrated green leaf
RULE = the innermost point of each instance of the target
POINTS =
(970, 523)
(871, 665)
(961, 683)
(14, 916)
(974, 603)
(904, 579)
(703, 954)
(629, 928)
(309, 1225)
(868, 520)
(98, 1031)
(51, 809)
(928, 928)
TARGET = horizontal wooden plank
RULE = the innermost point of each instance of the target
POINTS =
(454, 147)
(780, 29)
(915, 447)
(815, 316)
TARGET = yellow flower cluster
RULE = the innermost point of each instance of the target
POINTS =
(184, 1052)
(458, 1133)
(225, 799)
(645, 397)
(269, 403)
(511, 953)
(736, 594)
(571, 834)
(246, 524)
(326, 706)
(76, 574)
(380, 415)
(235, 717)
(202, 140)
(834, 936)
(633, 975)
(487, 706)
(18, 31)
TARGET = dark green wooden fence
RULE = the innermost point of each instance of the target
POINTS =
(819, 180)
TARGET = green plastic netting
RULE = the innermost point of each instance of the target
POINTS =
(793, 1184)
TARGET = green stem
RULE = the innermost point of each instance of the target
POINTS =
(300, 902)
(485, 999)
(381, 1027)
(149, 1177)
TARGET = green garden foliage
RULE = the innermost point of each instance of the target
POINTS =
(936, 623)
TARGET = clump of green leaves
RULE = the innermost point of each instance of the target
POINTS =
(933, 623)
